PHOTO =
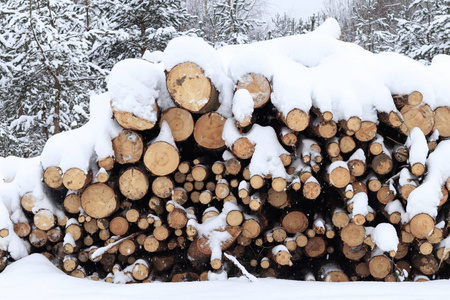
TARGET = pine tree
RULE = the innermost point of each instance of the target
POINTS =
(128, 28)
(49, 79)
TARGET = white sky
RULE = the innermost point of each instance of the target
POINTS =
(294, 8)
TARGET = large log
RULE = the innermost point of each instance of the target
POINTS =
(99, 200)
(208, 131)
(128, 147)
(133, 183)
(258, 86)
(191, 89)
(180, 122)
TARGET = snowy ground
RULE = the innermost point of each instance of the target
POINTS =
(34, 277)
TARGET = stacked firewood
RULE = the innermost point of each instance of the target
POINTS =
(180, 192)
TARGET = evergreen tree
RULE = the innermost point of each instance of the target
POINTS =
(285, 25)
(48, 79)
(127, 28)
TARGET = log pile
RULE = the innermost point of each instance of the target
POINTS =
(298, 196)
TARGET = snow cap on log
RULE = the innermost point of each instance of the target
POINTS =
(196, 50)
(385, 237)
(134, 86)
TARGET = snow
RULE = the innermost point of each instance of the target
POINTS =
(134, 86)
(80, 147)
(19, 176)
(418, 146)
(242, 104)
(396, 206)
(360, 204)
(196, 50)
(266, 158)
(425, 198)
(165, 135)
(385, 237)
(358, 155)
(250, 277)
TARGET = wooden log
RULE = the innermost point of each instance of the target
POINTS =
(385, 194)
(279, 200)
(316, 247)
(346, 144)
(133, 183)
(53, 177)
(200, 172)
(222, 189)
(354, 253)
(90, 226)
(251, 228)
(38, 238)
(161, 158)
(162, 187)
(324, 129)
(233, 166)
(413, 99)
(339, 218)
(99, 200)
(161, 233)
(421, 225)
(295, 222)
(76, 179)
(119, 226)
(421, 116)
(44, 219)
(352, 125)
(333, 148)
(177, 218)
(393, 118)
(27, 201)
(366, 132)
(258, 86)
(353, 235)
(280, 254)
(382, 164)
(22, 229)
(311, 188)
(180, 122)
(130, 121)
(243, 148)
(427, 264)
(106, 163)
(128, 147)
(191, 89)
(208, 131)
(442, 121)
(331, 272)
(288, 137)
(338, 174)
(379, 265)
(296, 119)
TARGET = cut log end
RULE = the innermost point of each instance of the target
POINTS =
(53, 177)
(422, 225)
(258, 86)
(191, 89)
(161, 158)
(295, 222)
(208, 131)
(297, 120)
(129, 121)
